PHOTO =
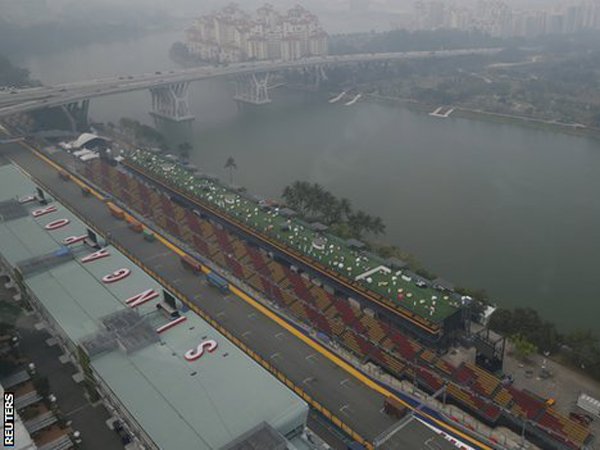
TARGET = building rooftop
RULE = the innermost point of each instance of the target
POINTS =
(86, 138)
(203, 404)
(394, 287)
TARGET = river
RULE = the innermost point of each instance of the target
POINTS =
(510, 209)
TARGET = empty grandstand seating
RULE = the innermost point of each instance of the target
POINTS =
(474, 403)
(463, 374)
(445, 367)
(239, 250)
(405, 346)
(223, 241)
(389, 362)
(344, 311)
(258, 260)
(373, 328)
(503, 397)
(323, 299)
(337, 326)
(297, 284)
(319, 320)
(556, 423)
(277, 273)
(428, 356)
(525, 404)
(483, 382)
(350, 341)
(429, 378)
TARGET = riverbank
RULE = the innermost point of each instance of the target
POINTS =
(475, 114)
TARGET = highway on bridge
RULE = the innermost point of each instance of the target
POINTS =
(24, 100)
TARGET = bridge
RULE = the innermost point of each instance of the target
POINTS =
(169, 89)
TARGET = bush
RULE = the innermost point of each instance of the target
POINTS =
(580, 348)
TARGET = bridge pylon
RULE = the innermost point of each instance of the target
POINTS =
(320, 75)
(171, 102)
(252, 89)
(77, 114)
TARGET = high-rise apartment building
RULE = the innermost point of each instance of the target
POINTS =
(233, 35)
(498, 19)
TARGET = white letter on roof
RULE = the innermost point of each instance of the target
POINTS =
(73, 239)
(56, 224)
(195, 353)
(96, 255)
(141, 298)
(117, 275)
(43, 211)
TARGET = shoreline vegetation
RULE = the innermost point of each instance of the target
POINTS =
(487, 116)
(14, 76)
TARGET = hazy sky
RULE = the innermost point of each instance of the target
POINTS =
(337, 16)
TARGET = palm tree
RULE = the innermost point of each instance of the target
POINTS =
(289, 196)
(359, 222)
(328, 207)
(302, 193)
(231, 165)
(345, 208)
(377, 226)
(315, 197)
(338, 211)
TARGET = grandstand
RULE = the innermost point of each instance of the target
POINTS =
(430, 314)
(356, 327)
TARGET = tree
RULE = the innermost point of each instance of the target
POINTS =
(584, 350)
(377, 226)
(522, 347)
(11, 75)
(501, 321)
(127, 124)
(231, 165)
(343, 230)
(345, 208)
(179, 52)
(359, 222)
(476, 310)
